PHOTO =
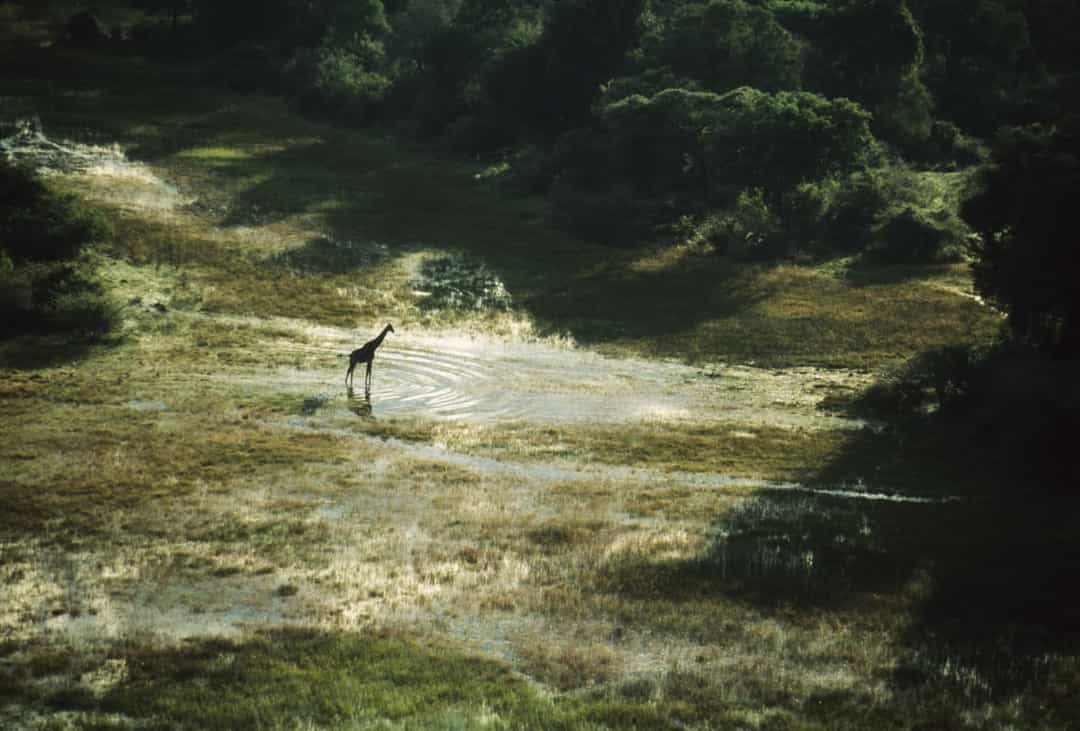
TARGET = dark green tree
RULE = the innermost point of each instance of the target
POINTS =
(1024, 214)
(872, 51)
(659, 157)
(745, 138)
(37, 224)
(726, 44)
(551, 86)
(975, 54)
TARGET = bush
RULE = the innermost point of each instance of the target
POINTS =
(803, 213)
(42, 288)
(1023, 210)
(911, 236)
(1014, 405)
(744, 138)
(682, 152)
(44, 297)
(943, 380)
(947, 146)
(725, 44)
(893, 213)
(338, 83)
(37, 224)
(89, 313)
(749, 229)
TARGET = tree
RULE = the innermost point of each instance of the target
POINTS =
(682, 151)
(974, 57)
(872, 51)
(745, 138)
(552, 84)
(1025, 217)
(726, 44)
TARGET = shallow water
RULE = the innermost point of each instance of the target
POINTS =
(488, 379)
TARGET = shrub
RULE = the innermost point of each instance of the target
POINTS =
(744, 138)
(1012, 404)
(682, 152)
(911, 236)
(893, 213)
(46, 296)
(937, 380)
(337, 82)
(88, 313)
(1026, 257)
(803, 213)
(41, 286)
(749, 229)
(37, 224)
(729, 43)
(948, 146)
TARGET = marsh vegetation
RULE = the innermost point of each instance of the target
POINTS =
(643, 451)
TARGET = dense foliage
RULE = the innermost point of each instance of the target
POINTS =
(43, 284)
(1028, 259)
(763, 121)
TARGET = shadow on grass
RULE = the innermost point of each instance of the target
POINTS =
(325, 255)
(868, 271)
(991, 583)
(784, 548)
(367, 191)
(1000, 621)
(35, 352)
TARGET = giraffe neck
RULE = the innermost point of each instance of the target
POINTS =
(378, 341)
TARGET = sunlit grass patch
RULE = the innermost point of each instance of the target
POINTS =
(732, 449)
(285, 679)
(703, 309)
(76, 467)
(214, 153)
(570, 664)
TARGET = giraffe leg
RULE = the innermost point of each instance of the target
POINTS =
(367, 377)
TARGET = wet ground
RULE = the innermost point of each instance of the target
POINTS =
(490, 379)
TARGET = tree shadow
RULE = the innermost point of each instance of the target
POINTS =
(992, 583)
(788, 549)
(326, 255)
(996, 620)
(868, 270)
(377, 203)
(1000, 620)
(31, 352)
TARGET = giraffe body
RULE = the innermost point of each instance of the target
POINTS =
(365, 354)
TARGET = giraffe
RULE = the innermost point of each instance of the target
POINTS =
(365, 354)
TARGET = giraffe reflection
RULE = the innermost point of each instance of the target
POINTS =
(361, 406)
